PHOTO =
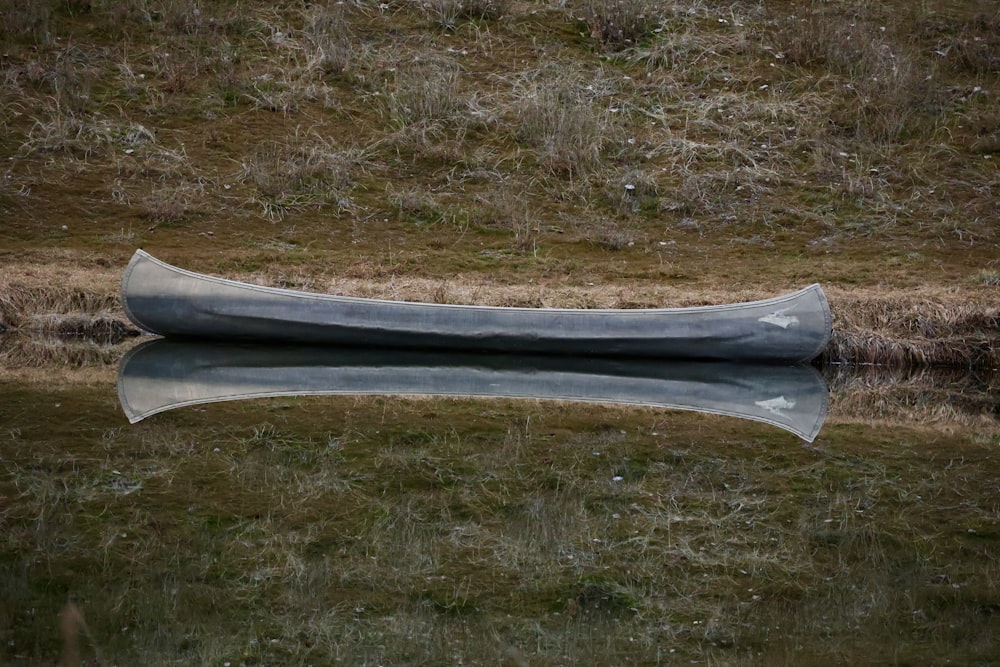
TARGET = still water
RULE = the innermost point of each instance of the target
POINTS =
(375, 508)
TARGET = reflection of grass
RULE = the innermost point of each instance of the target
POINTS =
(946, 397)
(66, 352)
(389, 530)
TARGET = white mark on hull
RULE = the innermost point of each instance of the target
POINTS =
(779, 319)
(776, 405)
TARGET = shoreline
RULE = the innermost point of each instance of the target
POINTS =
(932, 326)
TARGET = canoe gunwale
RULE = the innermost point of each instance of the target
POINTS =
(319, 296)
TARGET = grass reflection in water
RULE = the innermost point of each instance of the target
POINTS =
(435, 531)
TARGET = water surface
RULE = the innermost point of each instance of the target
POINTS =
(382, 529)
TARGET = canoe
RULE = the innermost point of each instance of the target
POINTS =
(172, 302)
(165, 374)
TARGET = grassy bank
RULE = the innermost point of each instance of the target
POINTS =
(632, 153)
(694, 144)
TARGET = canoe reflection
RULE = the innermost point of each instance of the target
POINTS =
(164, 374)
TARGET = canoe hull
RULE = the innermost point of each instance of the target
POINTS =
(172, 302)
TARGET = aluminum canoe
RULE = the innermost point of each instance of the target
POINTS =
(173, 302)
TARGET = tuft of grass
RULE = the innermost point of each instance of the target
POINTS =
(634, 191)
(305, 172)
(415, 205)
(424, 96)
(888, 87)
(190, 18)
(616, 24)
(166, 204)
(509, 212)
(989, 277)
(558, 121)
(328, 32)
(447, 13)
(25, 20)
(965, 44)
(61, 130)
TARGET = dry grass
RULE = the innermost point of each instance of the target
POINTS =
(304, 172)
(448, 13)
(619, 23)
(24, 20)
(558, 119)
(726, 114)
(888, 88)
(913, 331)
(55, 309)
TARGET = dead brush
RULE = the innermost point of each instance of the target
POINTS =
(172, 203)
(66, 76)
(988, 277)
(430, 114)
(122, 16)
(634, 191)
(191, 18)
(25, 20)
(681, 47)
(510, 212)
(718, 193)
(678, 51)
(415, 204)
(329, 36)
(60, 130)
(447, 13)
(155, 163)
(966, 45)
(64, 132)
(425, 95)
